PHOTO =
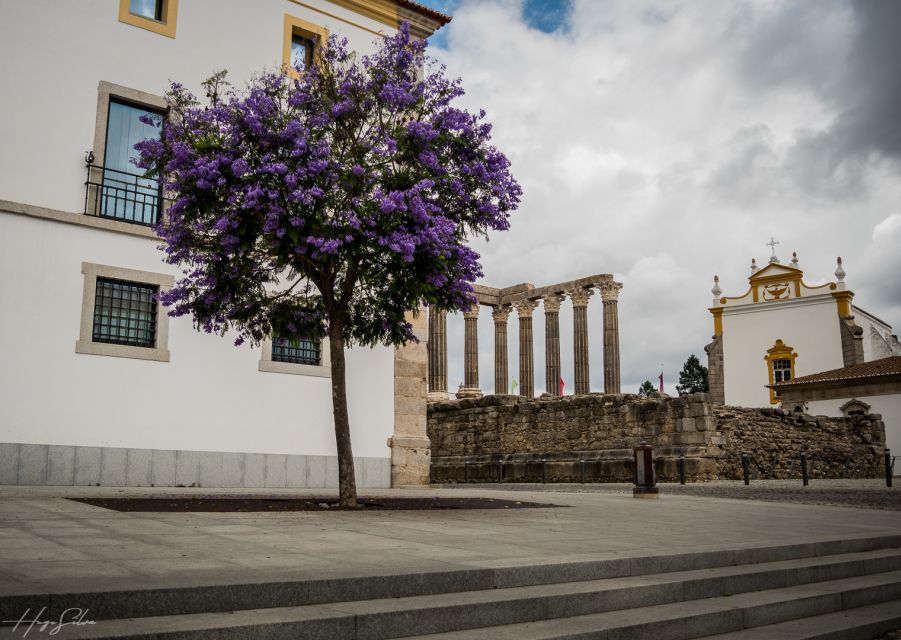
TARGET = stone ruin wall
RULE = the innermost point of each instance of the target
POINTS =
(589, 438)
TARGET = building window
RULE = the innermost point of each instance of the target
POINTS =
(303, 351)
(780, 362)
(158, 16)
(115, 188)
(120, 315)
(301, 43)
(300, 357)
(125, 313)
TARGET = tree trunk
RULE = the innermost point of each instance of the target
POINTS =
(347, 487)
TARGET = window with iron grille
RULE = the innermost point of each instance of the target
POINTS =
(303, 351)
(125, 313)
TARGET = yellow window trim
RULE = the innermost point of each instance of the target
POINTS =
(165, 27)
(295, 26)
(779, 351)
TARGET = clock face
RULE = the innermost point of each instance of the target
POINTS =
(776, 291)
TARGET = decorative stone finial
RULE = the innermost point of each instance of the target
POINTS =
(753, 266)
(716, 291)
(795, 260)
(840, 272)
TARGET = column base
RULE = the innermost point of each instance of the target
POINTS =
(437, 396)
(411, 459)
(468, 392)
(645, 492)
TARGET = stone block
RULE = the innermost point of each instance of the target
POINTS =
(112, 466)
(699, 409)
(232, 469)
(187, 465)
(254, 470)
(61, 465)
(316, 471)
(139, 468)
(9, 463)
(686, 424)
(33, 464)
(331, 472)
(276, 470)
(162, 468)
(210, 469)
(296, 474)
(87, 466)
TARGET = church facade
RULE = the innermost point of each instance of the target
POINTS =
(782, 329)
(98, 386)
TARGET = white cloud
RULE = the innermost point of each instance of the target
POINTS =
(666, 142)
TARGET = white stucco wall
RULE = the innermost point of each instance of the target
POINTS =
(209, 397)
(55, 54)
(877, 342)
(809, 326)
(888, 405)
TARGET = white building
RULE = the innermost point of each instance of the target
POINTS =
(85, 399)
(781, 329)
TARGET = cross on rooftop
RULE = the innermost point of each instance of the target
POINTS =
(772, 245)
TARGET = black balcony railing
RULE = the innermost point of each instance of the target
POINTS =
(120, 195)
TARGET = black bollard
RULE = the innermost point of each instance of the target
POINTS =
(888, 468)
(746, 468)
(581, 471)
(466, 472)
(804, 476)
(500, 470)
(544, 471)
(681, 469)
(773, 468)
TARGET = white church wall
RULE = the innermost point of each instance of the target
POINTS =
(877, 342)
(210, 396)
(810, 328)
(62, 50)
(889, 406)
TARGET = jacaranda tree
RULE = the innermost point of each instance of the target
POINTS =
(328, 204)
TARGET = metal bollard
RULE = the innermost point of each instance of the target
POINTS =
(581, 471)
(544, 471)
(746, 468)
(466, 472)
(888, 468)
(773, 468)
(681, 469)
(804, 478)
(500, 470)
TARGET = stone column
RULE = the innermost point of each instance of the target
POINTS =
(524, 309)
(610, 296)
(410, 447)
(580, 298)
(471, 354)
(552, 342)
(437, 355)
(501, 375)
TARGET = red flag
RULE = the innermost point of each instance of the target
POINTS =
(561, 386)
(661, 382)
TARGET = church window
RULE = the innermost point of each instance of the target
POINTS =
(780, 362)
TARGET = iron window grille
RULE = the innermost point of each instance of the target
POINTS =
(125, 313)
(303, 351)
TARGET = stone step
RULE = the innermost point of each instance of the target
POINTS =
(161, 600)
(824, 611)
(555, 604)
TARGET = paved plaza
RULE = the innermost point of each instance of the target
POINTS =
(51, 544)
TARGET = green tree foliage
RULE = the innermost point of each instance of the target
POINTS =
(647, 388)
(693, 377)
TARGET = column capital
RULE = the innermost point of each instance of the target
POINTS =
(552, 302)
(525, 307)
(472, 312)
(610, 290)
(579, 296)
(501, 313)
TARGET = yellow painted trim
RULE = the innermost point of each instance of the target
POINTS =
(798, 288)
(384, 11)
(779, 351)
(297, 26)
(843, 301)
(751, 290)
(164, 27)
(758, 276)
(717, 313)
(783, 277)
(337, 17)
(756, 292)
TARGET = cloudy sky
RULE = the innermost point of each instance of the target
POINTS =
(665, 142)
